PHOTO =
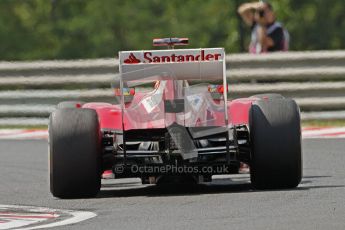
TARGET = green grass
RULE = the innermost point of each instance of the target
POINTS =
(324, 123)
(24, 127)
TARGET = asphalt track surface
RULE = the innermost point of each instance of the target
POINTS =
(318, 203)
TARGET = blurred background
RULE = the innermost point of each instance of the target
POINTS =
(70, 29)
(58, 50)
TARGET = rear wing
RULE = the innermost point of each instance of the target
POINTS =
(173, 64)
(171, 103)
(184, 64)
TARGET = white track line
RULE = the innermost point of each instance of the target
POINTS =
(73, 217)
(324, 133)
(23, 134)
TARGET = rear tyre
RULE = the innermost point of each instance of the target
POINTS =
(268, 96)
(275, 132)
(70, 104)
(74, 153)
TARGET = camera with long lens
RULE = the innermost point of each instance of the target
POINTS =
(261, 13)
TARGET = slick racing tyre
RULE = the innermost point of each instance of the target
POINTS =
(74, 153)
(275, 133)
(70, 104)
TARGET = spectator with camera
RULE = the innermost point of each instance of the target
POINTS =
(267, 35)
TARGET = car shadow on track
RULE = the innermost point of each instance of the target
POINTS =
(218, 186)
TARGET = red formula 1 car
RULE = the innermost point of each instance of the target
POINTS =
(173, 121)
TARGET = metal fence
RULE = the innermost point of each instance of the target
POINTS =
(29, 91)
